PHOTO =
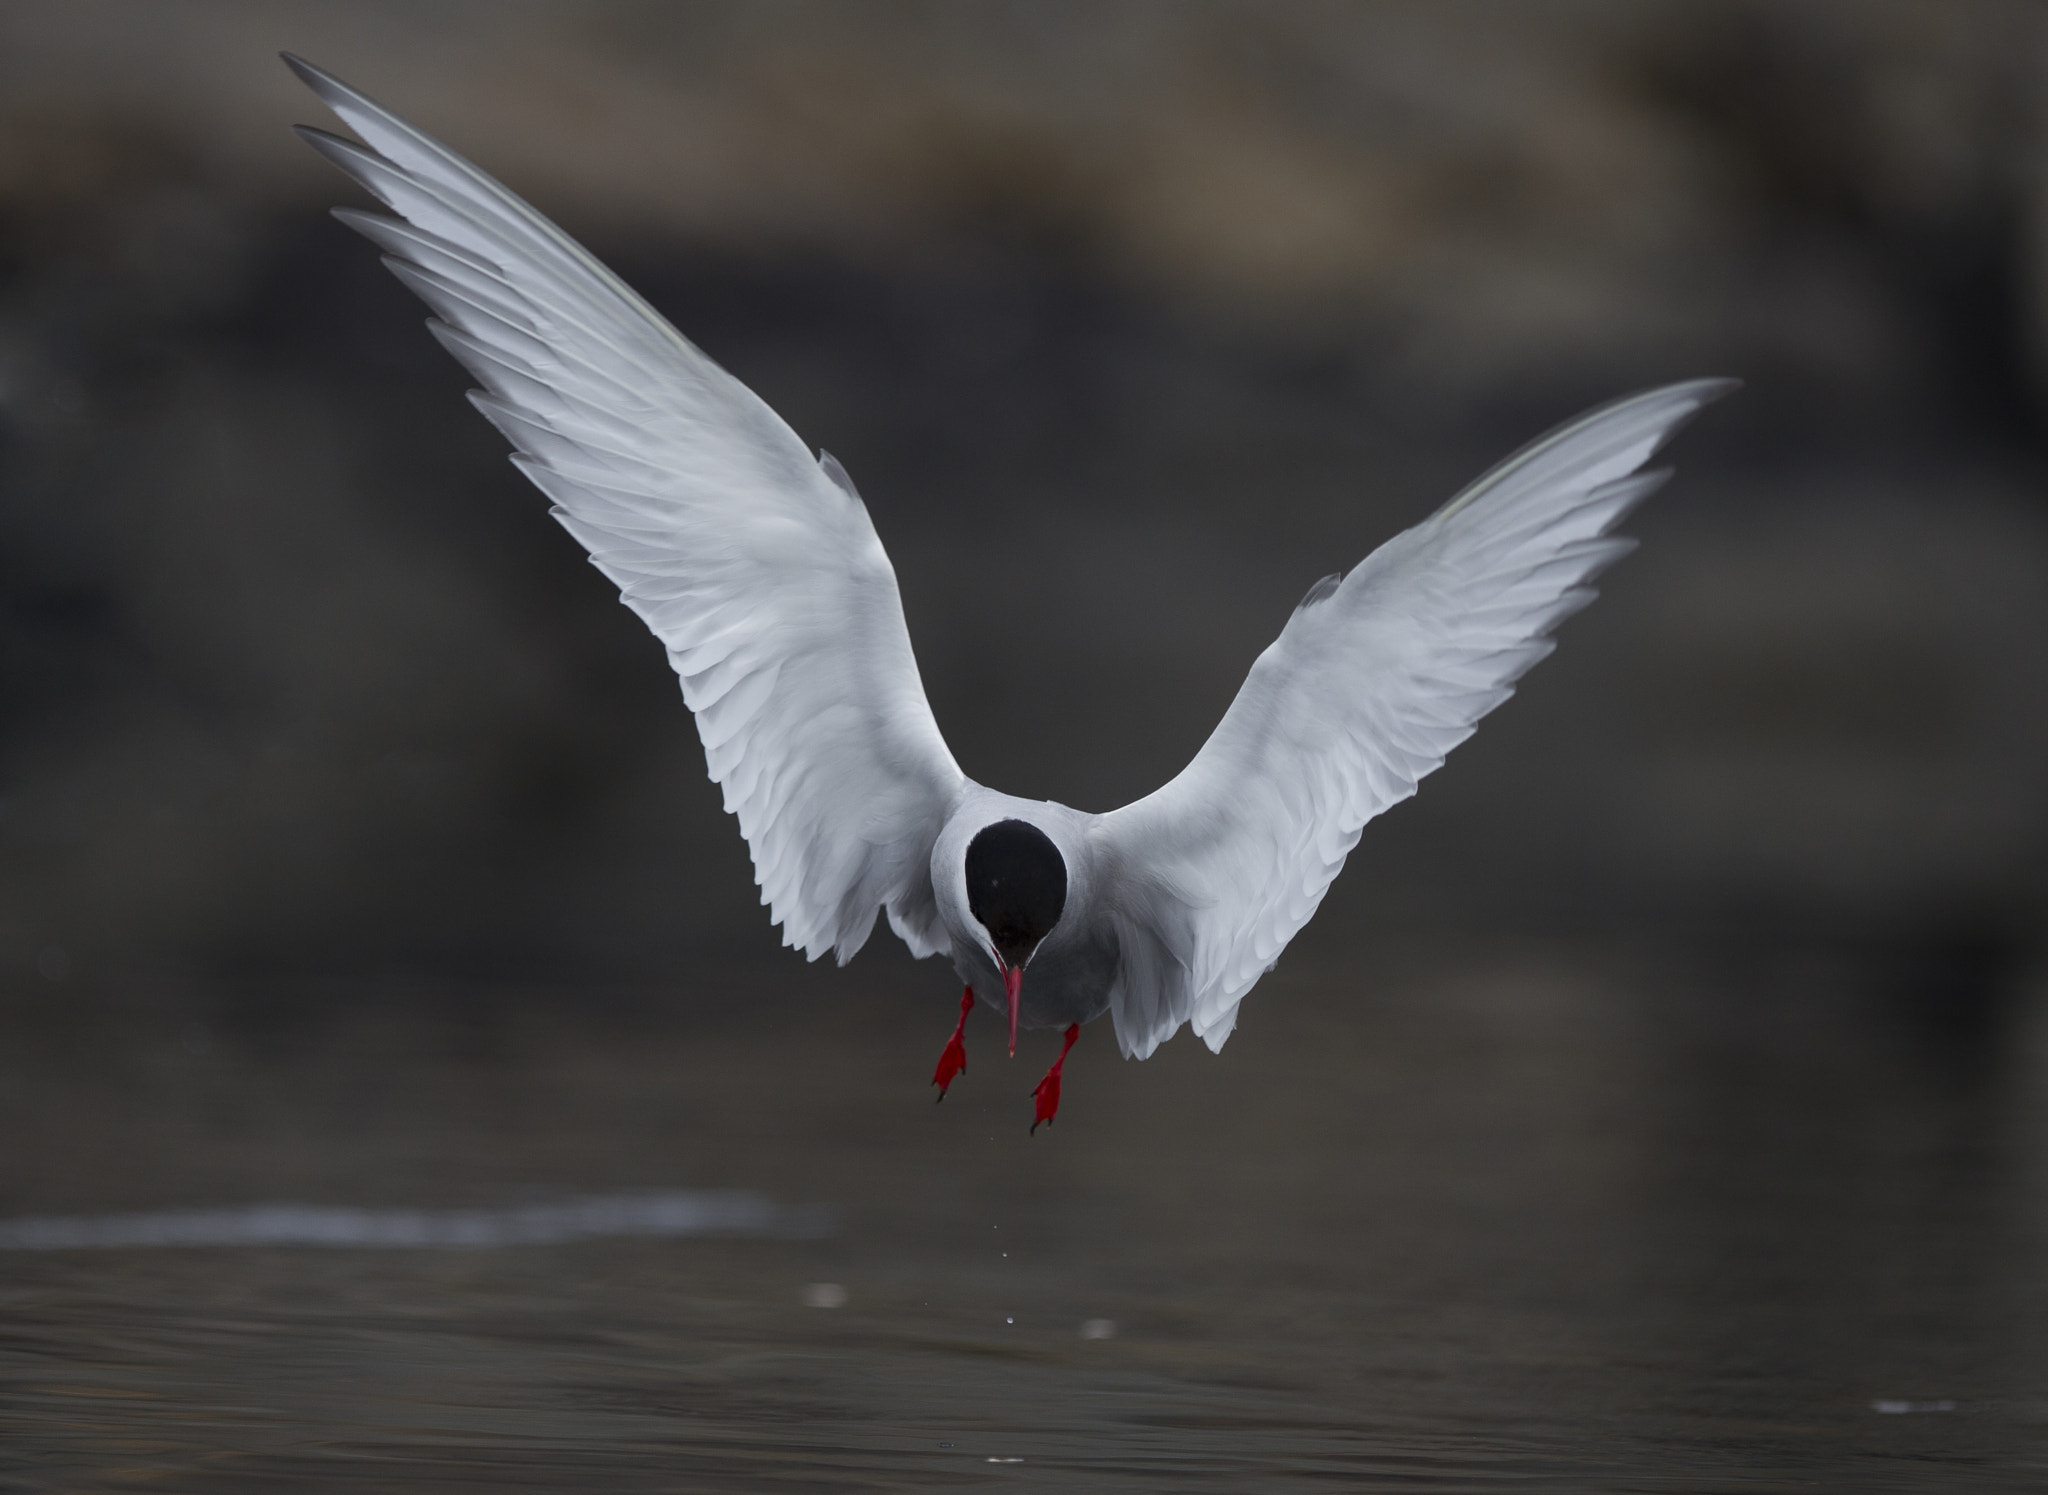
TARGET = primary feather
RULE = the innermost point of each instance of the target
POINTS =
(1373, 680)
(755, 565)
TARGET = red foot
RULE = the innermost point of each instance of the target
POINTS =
(953, 1062)
(1048, 1091)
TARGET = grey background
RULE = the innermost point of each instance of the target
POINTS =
(1660, 1099)
(1130, 322)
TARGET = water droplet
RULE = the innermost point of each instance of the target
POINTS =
(824, 1295)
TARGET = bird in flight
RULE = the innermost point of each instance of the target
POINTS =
(758, 568)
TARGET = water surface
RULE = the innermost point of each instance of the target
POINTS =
(1500, 1220)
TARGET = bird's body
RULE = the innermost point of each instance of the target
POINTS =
(758, 568)
(1074, 961)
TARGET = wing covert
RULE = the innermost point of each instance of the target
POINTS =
(1375, 678)
(756, 565)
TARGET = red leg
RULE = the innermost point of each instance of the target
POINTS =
(954, 1060)
(1048, 1091)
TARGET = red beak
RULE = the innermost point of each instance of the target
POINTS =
(1013, 983)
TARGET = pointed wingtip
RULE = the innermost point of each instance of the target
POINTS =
(329, 89)
(315, 78)
(1693, 396)
(1719, 387)
(1690, 395)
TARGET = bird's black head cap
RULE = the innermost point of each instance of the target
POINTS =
(1016, 886)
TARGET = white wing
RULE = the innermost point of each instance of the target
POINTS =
(756, 566)
(1373, 680)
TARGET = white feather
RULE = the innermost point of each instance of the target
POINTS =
(1363, 694)
(761, 574)
(759, 570)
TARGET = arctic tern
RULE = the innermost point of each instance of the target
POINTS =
(757, 567)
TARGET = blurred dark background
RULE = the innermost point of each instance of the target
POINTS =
(1130, 322)
(1662, 1094)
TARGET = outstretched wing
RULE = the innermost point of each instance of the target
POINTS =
(756, 566)
(1374, 679)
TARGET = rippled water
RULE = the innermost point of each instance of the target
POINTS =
(1523, 1222)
